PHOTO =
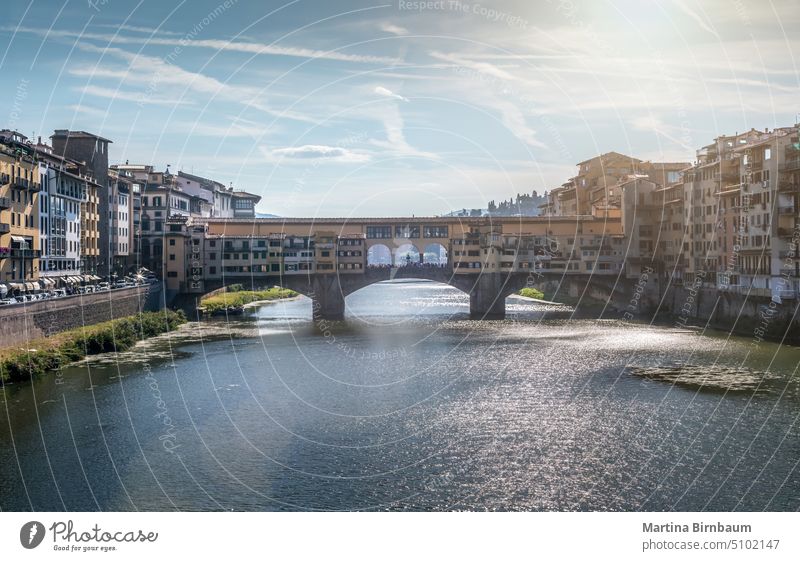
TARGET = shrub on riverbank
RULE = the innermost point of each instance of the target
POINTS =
(50, 354)
(239, 298)
(531, 293)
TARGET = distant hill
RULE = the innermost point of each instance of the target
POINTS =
(524, 205)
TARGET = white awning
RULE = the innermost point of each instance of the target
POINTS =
(31, 286)
(3, 289)
(17, 286)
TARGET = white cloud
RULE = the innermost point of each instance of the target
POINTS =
(316, 152)
(380, 90)
(393, 29)
(214, 44)
(121, 95)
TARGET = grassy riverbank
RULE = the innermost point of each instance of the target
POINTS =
(531, 293)
(238, 298)
(46, 355)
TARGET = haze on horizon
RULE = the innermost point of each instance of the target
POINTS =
(357, 109)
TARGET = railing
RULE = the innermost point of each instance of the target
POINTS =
(5, 202)
(5, 228)
(786, 210)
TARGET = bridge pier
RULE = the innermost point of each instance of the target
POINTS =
(486, 300)
(327, 298)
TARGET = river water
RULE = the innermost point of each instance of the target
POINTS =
(409, 405)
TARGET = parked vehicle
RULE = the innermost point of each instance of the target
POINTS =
(7, 301)
(59, 293)
(103, 286)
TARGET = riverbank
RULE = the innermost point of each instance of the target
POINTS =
(41, 356)
(237, 300)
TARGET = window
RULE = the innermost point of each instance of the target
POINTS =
(172, 241)
(172, 257)
(435, 231)
(172, 274)
(379, 232)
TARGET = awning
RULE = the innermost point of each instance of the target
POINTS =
(18, 239)
(47, 282)
(87, 278)
(17, 286)
(75, 279)
(31, 286)
(95, 278)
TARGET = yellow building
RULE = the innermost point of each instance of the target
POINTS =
(90, 228)
(19, 214)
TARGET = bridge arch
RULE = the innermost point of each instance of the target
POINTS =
(379, 255)
(406, 254)
(487, 291)
(436, 254)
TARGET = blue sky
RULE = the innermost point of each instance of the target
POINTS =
(362, 108)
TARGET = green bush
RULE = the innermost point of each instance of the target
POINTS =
(531, 293)
(239, 298)
(73, 345)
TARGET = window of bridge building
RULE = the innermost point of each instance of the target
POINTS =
(275, 267)
(350, 241)
(262, 243)
(325, 254)
(275, 243)
(212, 256)
(435, 231)
(324, 266)
(379, 232)
(226, 256)
(407, 231)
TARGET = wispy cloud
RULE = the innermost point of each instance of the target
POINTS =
(380, 90)
(214, 44)
(315, 152)
(393, 29)
(121, 95)
(686, 9)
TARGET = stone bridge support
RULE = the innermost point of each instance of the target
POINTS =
(327, 297)
(487, 299)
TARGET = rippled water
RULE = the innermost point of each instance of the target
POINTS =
(409, 405)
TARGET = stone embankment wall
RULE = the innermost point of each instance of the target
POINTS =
(758, 317)
(22, 323)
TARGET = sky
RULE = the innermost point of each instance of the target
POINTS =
(363, 108)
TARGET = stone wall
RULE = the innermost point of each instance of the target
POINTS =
(22, 323)
(757, 317)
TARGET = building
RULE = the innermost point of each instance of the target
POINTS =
(63, 194)
(20, 184)
(91, 152)
(122, 188)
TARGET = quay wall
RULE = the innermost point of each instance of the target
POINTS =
(22, 323)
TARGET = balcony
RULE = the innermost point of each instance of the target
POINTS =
(17, 253)
(5, 228)
(5, 202)
(791, 164)
(786, 210)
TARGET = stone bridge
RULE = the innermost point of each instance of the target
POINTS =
(487, 291)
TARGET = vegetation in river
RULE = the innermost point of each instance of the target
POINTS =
(234, 297)
(531, 293)
(50, 354)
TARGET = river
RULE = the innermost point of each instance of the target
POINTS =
(409, 405)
